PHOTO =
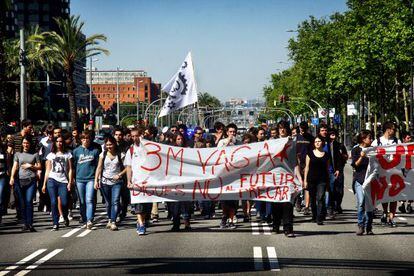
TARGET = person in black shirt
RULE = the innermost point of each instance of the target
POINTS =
(317, 178)
(360, 164)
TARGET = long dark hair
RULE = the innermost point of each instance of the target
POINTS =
(174, 140)
(54, 146)
(111, 139)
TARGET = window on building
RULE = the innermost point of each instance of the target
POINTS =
(146, 86)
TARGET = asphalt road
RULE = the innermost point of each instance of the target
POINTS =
(329, 249)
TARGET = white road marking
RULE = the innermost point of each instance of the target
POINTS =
(258, 258)
(39, 262)
(401, 218)
(266, 229)
(84, 233)
(255, 228)
(274, 262)
(71, 232)
(22, 261)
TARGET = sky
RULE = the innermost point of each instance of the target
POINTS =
(235, 45)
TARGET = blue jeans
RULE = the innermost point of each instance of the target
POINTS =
(56, 189)
(364, 218)
(3, 183)
(86, 199)
(25, 195)
(267, 206)
(112, 194)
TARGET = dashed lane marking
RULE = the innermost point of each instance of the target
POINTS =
(274, 262)
(258, 258)
(84, 233)
(39, 262)
(22, 261)
(71, 232)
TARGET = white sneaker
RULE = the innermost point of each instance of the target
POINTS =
(89, 225)
(108, 225)
(113, 226)
(61, 219)
(70, 216)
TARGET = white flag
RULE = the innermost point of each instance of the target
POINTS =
(182, 89)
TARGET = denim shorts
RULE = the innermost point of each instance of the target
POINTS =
(143, 208)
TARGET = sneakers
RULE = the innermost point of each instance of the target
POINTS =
(223, 225)
(31, 228)
(409, 208)
(55, 227)
(113, 227)
(89, 225)
(392, 223)
(384, 218)
(231, 225)
(154, 220)
(289, 234)
(67, 222)
(70, 216)
(276, 229)
(360, 230)
(306, 211)
(402, 209)
(369, 232)
(140, 230)
(108, 225)
(61, 219)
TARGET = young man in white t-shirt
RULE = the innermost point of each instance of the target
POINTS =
(388, 138)
(143, 210)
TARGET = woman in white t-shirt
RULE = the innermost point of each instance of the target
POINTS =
(109, 178)
(58, 179)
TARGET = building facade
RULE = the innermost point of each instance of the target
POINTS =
(28, 14)
(31, 13)
(134, 87)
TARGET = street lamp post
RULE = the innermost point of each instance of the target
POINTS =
(23, 92)
(138, 99)
(90, 88)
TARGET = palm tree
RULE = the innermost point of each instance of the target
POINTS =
(207, 100)
(65, 49)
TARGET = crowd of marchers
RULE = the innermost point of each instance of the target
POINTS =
(60, 172)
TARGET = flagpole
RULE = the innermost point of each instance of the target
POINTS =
(196, 103)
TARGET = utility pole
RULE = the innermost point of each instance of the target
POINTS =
(49, 105)
(117, 95)
(23, 92)
(90, 89)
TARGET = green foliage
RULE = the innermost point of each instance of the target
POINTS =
(64, 49)
(207, 100)
(366, 51)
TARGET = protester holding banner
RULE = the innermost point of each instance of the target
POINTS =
(247, 204)
(360, 164)
(180, 208)
(317, 178)
(219, 132)
(58, 180)
(229, 206)
(388, 138)
(283, 210)
(406, 138)
(143, 210)
(109, 178)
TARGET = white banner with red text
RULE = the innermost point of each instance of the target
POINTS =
(258, 171)
(390, 174)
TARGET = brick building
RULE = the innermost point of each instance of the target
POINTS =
(136, 86)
